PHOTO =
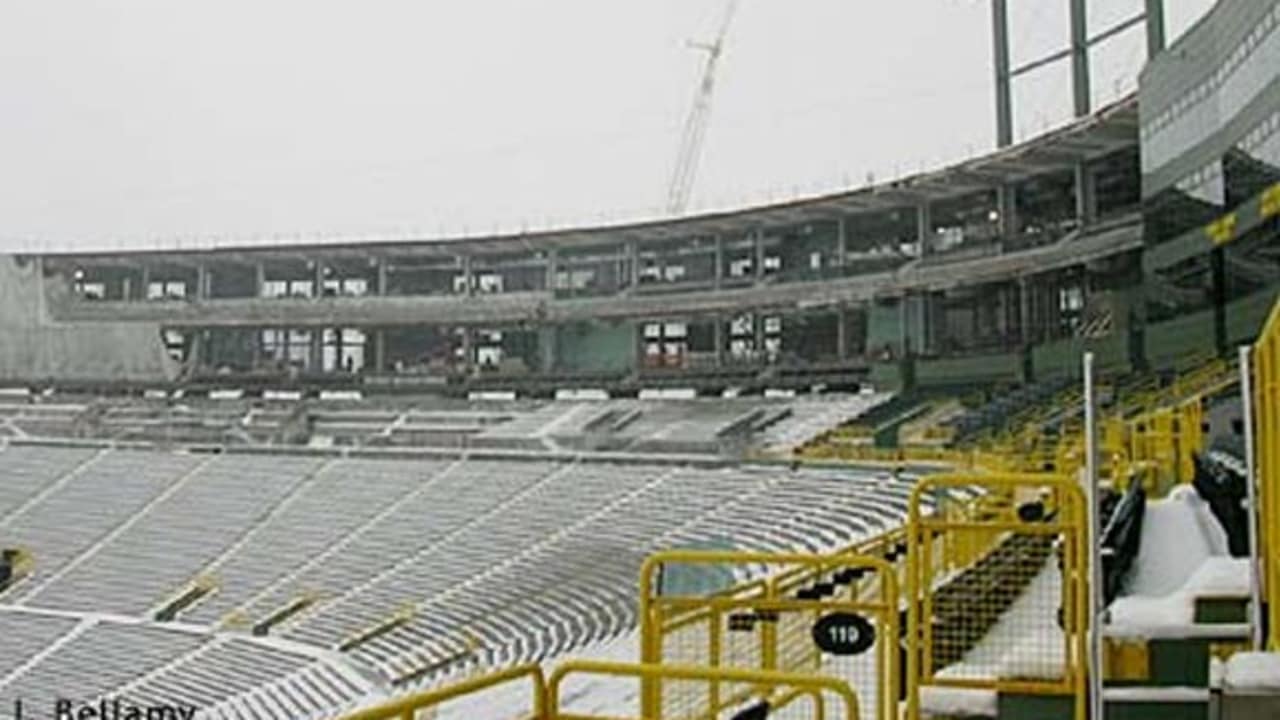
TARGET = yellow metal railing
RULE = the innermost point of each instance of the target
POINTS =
(780, 689)
(1266, 400)
(940, 638)
(548, 701)
(709, 630)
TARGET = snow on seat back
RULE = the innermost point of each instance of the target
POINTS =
(1182, 545)
(1178, 534)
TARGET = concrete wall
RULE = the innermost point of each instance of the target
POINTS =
(33, 347)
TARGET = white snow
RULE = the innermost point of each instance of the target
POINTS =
(1151, 694)
(1025, 643)
(1183, 556)
(1178, 534)
(1140, 615)
(961, 702)
(1253, 671)
(1220, 577)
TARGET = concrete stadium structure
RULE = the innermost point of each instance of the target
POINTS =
(997, 269)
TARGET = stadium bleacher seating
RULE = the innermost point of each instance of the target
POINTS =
(499, 560)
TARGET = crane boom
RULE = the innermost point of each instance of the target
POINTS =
(695, 127)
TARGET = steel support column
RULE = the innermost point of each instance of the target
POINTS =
(1218, 265)
(381, 284)
(633, 259)
(552, 271)
(1081, 91)
(380, 334)
(202, 282)
(1004, 80)
(1155, 28)
(842, 333)
(842, 240)
(259, 280)
(547, 346)
(1007, 207)
(380, 350)
(1086, 194)
(1024, 311)
(924, 227)
(717, 338)
(758, 240)
(467, 281)
(315, 360)
(717, 272)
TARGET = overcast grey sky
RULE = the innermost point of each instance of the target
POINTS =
(153, 121)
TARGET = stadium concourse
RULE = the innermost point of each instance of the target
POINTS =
(261, 581)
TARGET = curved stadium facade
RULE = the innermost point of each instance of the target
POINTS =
(290, 481)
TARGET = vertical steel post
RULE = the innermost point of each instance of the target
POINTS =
(1095, 542)
(1004, 80)
(1255, 579)
(1155, 28)
(1080, 80)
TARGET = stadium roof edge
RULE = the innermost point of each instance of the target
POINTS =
(1110, 129)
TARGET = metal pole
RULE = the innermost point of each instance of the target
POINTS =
(1095, 542)
(1080, 78)
(1155, 28)
(1255, 579)
(1004, 91)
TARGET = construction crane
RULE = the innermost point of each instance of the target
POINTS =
(695, 127)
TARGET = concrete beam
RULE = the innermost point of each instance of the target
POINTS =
(540, 307)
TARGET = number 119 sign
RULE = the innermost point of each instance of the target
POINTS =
(843, 634)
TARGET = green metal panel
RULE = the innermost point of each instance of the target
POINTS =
(596, 347)
(1012, 706)
(969, 370)
(884, 328)
(1062, 358)
(1169, 341)
(1246, 315)
(1179, 662)
(886, 377)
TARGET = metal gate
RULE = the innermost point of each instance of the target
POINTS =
(997, 590)
(833, 616)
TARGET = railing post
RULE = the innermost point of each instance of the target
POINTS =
(1250, 482)
(1097, 710)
